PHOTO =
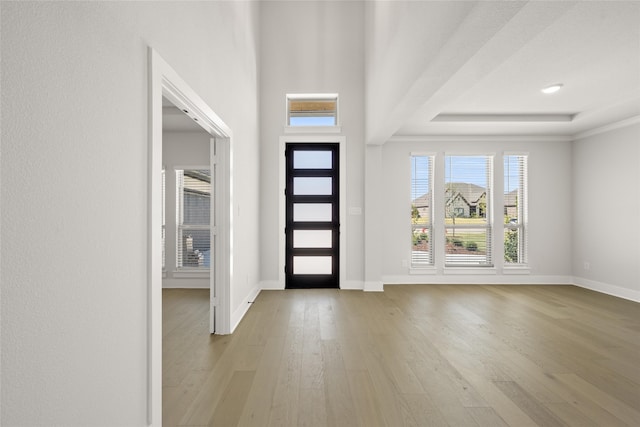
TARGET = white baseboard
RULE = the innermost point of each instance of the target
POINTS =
(275, 285)
(430, 279)
(239, 313)
(373, 286)
(352, 285)
(185, 284)
(466, 279)
(271, 285)
(608, 289)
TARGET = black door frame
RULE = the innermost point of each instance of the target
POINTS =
(312, 280)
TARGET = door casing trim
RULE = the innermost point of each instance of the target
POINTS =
(342, 148)
(165, 81)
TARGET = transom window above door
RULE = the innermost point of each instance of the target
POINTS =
(312, 110)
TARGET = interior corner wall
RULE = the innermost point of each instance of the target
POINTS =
(549, 227)
(311, 47)
(74, 172)
(180, 150)
(606, 202)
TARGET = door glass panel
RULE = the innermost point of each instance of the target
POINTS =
(312, 265)
(312, 238)
(305, 212)
(312, 159)
(312, 186)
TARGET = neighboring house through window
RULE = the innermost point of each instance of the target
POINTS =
(421, 211)
(467, 204)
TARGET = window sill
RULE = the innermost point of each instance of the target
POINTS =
(422, 270)
(312, 129)
(470, 270)
(190, 274)
(516, 269)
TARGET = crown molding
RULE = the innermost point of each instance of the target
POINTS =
(504, 118)
(481, 138)
(607, 128)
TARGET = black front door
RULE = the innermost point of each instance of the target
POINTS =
(312, 217)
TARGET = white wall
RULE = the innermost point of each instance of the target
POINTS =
(180, 150)
(74, 191)
(549, 210)
(606, 195)
(310, 47)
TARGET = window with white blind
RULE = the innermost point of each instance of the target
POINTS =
(421, 211)
(312, 110)
(193, 207)
(515, 210)
(467, 204)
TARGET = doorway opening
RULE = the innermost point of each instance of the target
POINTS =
(164, 82)
(190, 199)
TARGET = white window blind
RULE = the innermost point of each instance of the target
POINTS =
(421, 211)
(515, 209)
(467, 204)
(312, 110)
(193, 207)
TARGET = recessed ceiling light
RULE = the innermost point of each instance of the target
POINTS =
(552, 89)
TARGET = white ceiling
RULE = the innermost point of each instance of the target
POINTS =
(593, 48)
(484, 77)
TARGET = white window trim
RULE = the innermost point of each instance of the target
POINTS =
(187, 273)
(523, 225)
(288, 130)
(516, 269)
(190, 272)
(498, 266)
(426, 270)
(470, 270)
(312, 129)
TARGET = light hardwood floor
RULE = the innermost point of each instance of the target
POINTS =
(411, 356)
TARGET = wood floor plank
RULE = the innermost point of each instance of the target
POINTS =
(626, 413)
(313, 408)
(423, 411)
(570, 415)
(413, 355)
(529, 405)
(259, 397)
(492, 397)
(446, 397)
(365, 400)
(284, 403)
(338, 399)
(230, 407)
(487, 417)
(582, 404)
